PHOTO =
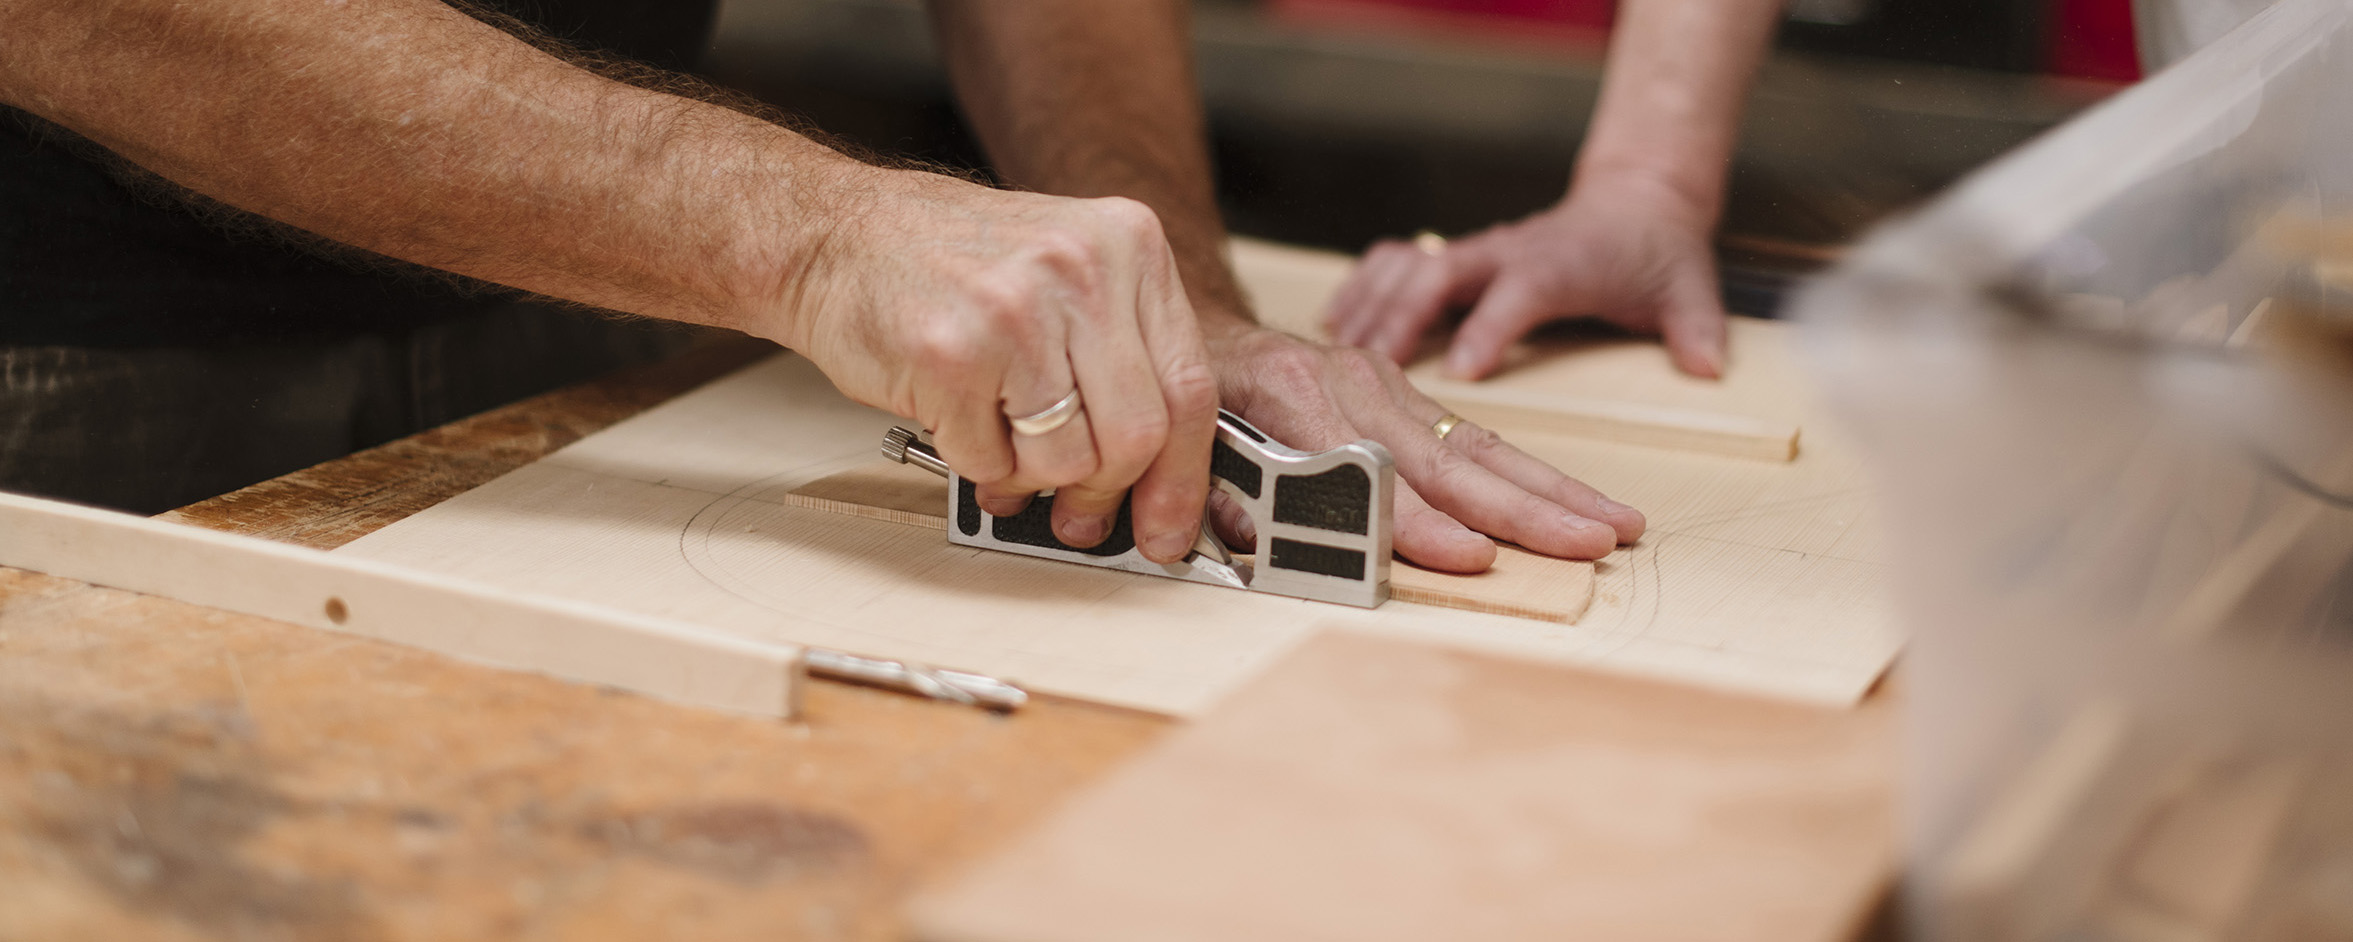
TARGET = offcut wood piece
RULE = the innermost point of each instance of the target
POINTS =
(1368, 789)
(436, 612)
(1521, 583)
(1623, 397)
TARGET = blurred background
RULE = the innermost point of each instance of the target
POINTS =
(1336, 122)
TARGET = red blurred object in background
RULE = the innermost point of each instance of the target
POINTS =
(1577, 22)
(2093, 39)
(2089, 39)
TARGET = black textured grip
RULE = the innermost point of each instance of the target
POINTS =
(967, 508)
(1318, 558)
(1339, 500)
(1034, 526)
(1229, 464)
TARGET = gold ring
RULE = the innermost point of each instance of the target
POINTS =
(1053, 417)
(1431, 243)
(1445, 425)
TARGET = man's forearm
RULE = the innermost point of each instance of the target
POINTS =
(1096, 98)
(410, 129)
(1670, 106)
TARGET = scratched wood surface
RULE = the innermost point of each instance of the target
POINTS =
(172, 772)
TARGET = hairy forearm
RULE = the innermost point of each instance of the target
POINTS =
(1096, 98)
(410, 129)
(1670, 106)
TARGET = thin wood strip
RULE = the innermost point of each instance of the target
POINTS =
(1634, 423)
(373, 488)
(1563, 599)
(448, 615)
(1521, 584)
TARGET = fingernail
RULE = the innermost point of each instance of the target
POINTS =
(1168, 546)
(1574, 522)
(1609, 506)
(1085, 531)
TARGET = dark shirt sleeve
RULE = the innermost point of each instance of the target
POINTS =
(91, 255)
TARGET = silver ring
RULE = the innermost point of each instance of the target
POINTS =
(1430, 243)
(1055, 416)
(1445, 425)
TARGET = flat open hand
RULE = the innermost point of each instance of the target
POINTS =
(1620, 255)
(1312, 397)
(957, 306)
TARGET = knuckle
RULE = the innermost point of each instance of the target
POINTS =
(1004, 303)
(1291, 370)
(1130, 217)
(946, 347)
(1066, 471)
(1189, 387)
(1126, 448)
(988, 470)
(1450, 474)
(1066, 250)
(1478, 442)
(1364, 368)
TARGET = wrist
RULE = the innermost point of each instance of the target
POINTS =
(800, 231)
(1692, 200)
(1645, 196)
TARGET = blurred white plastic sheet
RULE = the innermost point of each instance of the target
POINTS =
(1756, 576)
(2108, 382)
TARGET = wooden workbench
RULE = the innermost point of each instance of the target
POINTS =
(174, 772)
(169, 771)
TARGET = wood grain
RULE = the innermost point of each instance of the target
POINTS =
(1371, 790)
(1521, 584)
(435, 612)
(174, 772)
(340, 501)
(1613, 420)
(1775, 560)
(1754, 576)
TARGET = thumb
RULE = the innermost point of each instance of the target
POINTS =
(1505, 313)
(1694, 329)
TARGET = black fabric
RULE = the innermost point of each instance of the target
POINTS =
(146, 429)
(87, 259)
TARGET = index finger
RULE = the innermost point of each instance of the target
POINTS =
(1174, 490)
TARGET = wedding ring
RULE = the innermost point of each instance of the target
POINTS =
(1431, 243)
(1055, 416)
(1445, 425)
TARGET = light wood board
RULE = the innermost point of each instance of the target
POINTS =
(1755, 577)
(1624, 396)
(436, 612)
(1371, 790)
(1611, 420)
(1780, 561)
(1520, 584)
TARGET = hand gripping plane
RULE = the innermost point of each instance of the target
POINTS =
(1324, 520)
